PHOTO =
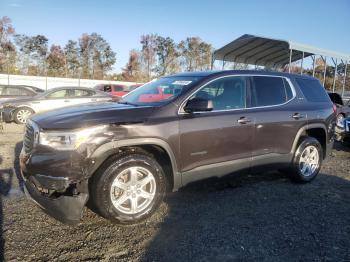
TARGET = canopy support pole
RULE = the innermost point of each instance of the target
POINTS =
(313, 65)
(290, 59)
(346, 68)
(325, 69)
(335, 73)
(302, 61)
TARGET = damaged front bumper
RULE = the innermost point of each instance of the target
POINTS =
(54, 190)
(67, 209)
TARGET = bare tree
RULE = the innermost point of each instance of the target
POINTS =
(97, 56)
(148, 43)
(7, 49)
(72, 59)
(195, 54)
(56, 61)
(132, 70)
(167, 56)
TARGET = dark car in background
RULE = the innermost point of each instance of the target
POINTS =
(8, 92)
(343, 131)
(123, 157)
(19, 110)
(343, 111)
(116, 90)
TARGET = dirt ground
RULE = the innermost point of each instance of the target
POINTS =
(261, 217)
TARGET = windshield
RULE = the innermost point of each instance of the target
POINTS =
(160, 91)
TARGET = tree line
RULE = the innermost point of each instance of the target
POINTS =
(159, 56)
(91, 56)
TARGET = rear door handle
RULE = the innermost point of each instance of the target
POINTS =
(297, 116)
(66, 101)
(243, 120)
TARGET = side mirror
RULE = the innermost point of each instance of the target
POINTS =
(198, 105)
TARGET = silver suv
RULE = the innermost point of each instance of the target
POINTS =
(19, 110)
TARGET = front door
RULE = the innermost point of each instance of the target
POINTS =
(218, 142)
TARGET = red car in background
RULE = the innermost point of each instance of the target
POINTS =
(157, 96)
(116, 90)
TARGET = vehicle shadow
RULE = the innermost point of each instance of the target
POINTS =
(5, 187)
(338, 146)
(16, 166)
(261, 217)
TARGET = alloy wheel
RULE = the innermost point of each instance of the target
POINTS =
(309, 161)
(133, 190)
(23, 114)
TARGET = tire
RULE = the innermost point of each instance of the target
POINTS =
(113, 191)
(22, 114)
(309, 148)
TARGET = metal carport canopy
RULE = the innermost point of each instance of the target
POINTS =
(257, 50)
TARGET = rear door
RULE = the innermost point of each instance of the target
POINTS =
(53, 100)
(277, 116)
(81, 96)
(219, 141)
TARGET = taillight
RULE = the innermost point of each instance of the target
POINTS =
(334, 108)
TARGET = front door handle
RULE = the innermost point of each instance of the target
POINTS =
(243, 120)
(297, 116)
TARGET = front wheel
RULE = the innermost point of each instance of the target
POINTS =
(128, 189)
(307, 160)
(22, 114)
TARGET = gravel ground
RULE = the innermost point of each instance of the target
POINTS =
(261, 217)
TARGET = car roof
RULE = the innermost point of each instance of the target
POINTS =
(239, 72)
(69, 87)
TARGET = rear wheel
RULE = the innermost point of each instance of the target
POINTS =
(22, 114)
(307, 160)
(128, 189)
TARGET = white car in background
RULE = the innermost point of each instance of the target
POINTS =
(19, 110)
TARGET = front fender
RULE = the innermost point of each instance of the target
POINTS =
(111, 148)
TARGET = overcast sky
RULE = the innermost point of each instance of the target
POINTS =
(324, 24)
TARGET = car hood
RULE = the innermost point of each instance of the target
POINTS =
(92, 114)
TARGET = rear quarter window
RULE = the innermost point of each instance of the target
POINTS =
(313, 90)
(269, 91)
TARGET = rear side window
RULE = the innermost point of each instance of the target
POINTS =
(313, 90)
(14, 91)
(83, 93)
(269, 91)
(58, 94)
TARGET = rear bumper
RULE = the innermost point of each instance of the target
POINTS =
(66, 209)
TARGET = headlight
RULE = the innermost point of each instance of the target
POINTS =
(68, 140)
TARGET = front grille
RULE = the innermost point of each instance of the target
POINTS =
(28, 140)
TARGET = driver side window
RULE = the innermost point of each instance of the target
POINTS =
(226, 93)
